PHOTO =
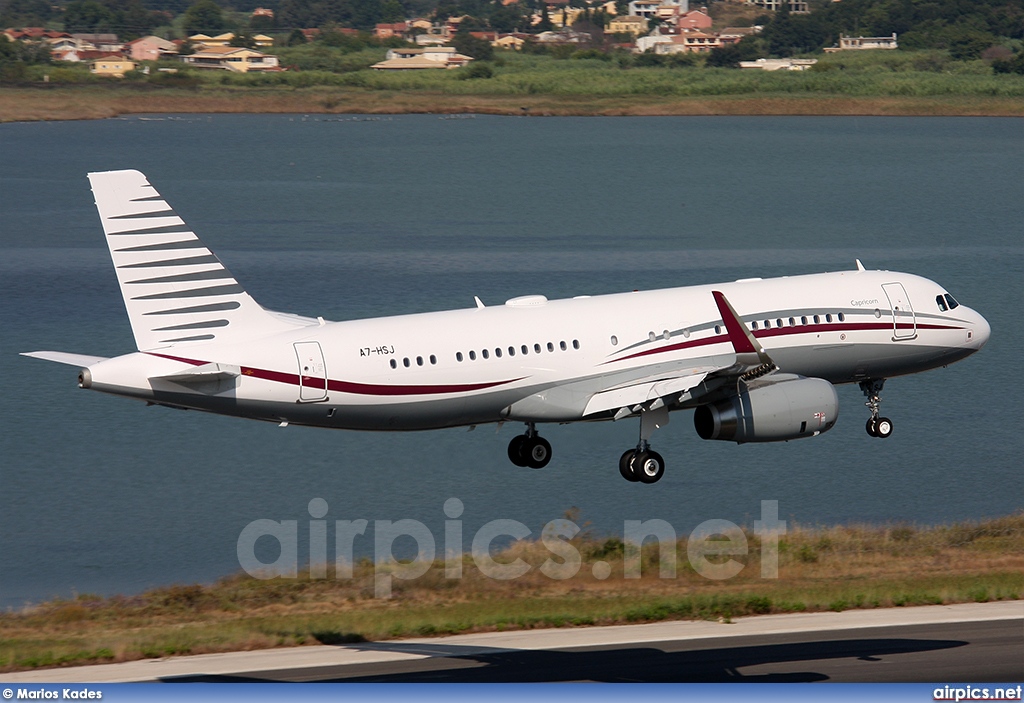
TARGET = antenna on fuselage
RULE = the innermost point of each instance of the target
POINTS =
(860, 266)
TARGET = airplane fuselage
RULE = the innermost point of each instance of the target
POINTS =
(535, 360)
(755, 359)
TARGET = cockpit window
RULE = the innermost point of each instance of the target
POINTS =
(941, 302)
(951, 301)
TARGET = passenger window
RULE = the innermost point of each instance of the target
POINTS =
(842, 317)
(419, 361)
(803, 320)
(666, 335)
(614, 340)
(953, 305)
(472, 356)
(778, 323)
(433, 359)
(817, 320)
(767, 324)
(536, 348)
(753, 325)
(718, 329)
(394, 364)
(405, 362)
(497, 352)
(551, 347)
(525, 349)
(485, 354)
(458, 356)
(562, 346)
(828, 317)
(651, 336)
(575, 344)
(511, 351)
(792, 322)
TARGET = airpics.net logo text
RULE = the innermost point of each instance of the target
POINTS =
(710, 551)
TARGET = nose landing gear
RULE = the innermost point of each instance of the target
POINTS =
(877, 426)
(529, 449)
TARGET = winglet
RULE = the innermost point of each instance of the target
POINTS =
(743, 340)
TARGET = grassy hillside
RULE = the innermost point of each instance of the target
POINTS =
(820, 569)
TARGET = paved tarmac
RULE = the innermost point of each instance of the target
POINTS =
(959, 643)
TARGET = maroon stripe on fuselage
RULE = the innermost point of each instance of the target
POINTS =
(350, 386)
(784, 331)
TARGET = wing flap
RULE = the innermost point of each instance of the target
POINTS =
(644, 391)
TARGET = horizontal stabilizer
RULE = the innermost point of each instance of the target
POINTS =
(79, 360)
(203, 374)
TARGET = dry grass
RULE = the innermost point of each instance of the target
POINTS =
(97, 102)
(819, 569)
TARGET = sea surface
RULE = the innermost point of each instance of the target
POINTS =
(348, 217)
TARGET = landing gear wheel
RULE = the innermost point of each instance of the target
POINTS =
(536, 452)
(648, 466)
(515, 450)
(883, 427)
(626, 466)
(872, 422)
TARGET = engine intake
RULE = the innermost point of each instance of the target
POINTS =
(772, 411)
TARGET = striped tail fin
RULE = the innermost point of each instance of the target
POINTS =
(175, 290)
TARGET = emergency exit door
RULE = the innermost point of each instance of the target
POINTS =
(312, 372)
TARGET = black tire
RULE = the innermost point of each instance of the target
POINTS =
(648, 466)
(536, 452)
(883, 428)
(870, 427)
(515, 450)
(626, 466)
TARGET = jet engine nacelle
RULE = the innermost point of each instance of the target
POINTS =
(771, 410)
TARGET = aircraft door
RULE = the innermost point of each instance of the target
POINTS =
(312, 372)
(904, 322)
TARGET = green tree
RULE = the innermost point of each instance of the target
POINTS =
(391, 11)
(466, 43)
(25, 13)
(204, 16)
(243, 39)
(508, 18)
(15, 57)
(730, 56)
(87, 16)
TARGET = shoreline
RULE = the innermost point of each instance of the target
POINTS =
(59, 103)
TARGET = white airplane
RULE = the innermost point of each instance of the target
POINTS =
(755, 359)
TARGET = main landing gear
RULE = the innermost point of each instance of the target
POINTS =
(529, 449)
(877, 426)
(643, 464)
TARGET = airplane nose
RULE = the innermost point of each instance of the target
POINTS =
(981, 332)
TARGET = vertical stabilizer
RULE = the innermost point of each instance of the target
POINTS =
(175, 290)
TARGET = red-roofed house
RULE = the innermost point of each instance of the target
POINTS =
(694, 19)
(390, 29)
(151, 48)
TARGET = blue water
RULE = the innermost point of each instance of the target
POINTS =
(363, 217)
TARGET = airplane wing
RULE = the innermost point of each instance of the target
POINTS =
(642, 391)
(653, 392)
(80, 360)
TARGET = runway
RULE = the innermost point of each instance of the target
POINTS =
(960, 643)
